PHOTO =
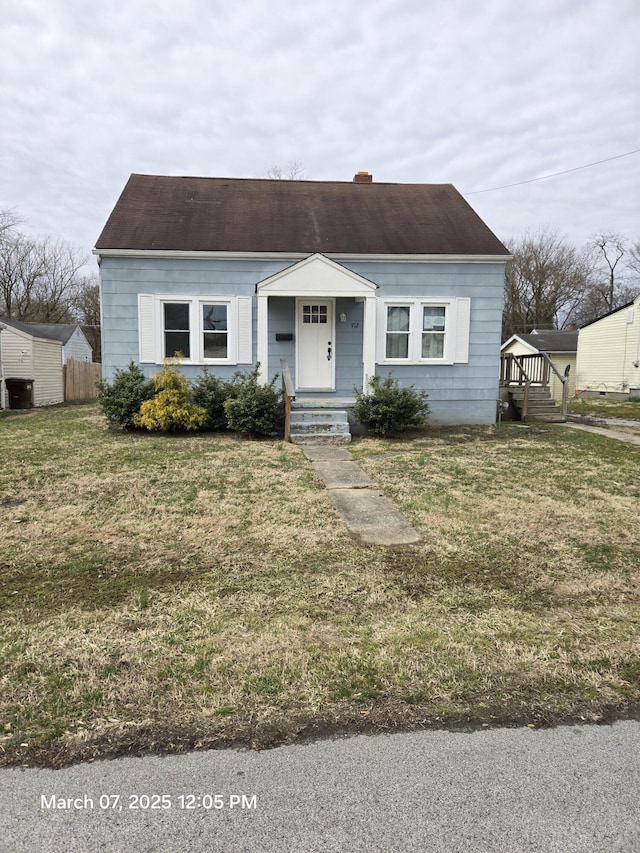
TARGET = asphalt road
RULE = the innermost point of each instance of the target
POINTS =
(566, 789)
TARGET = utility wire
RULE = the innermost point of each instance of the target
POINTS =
(554, 174)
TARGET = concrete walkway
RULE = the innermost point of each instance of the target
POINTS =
(368, 514)
(629, 437)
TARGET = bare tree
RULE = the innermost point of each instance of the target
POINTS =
(39, 278)
(293, 171)
(20, 272)
(8, 223)
(609, 250)
(615, 279)
(632, 261)
(87, 309)
(545, 283)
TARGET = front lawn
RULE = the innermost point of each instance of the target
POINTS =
(160, 593)
(600, 407)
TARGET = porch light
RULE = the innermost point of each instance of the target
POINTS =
(343, 318)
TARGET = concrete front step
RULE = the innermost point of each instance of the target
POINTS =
(319, 426)
(323, 403)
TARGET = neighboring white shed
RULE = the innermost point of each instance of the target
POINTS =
(608, 361)
(559, 345)
(74, 343)
(26, 355)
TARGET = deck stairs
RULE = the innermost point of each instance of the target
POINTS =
(541, 406)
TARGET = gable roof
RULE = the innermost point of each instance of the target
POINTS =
(550, 341)
(49, 331)
(165, 213)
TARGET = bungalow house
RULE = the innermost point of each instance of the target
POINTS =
(343, 280)
(608, 357)
(559, 346)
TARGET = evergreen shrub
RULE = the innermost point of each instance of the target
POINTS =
(171, 408)
(121, 399)
(256, 409)
(388, 408)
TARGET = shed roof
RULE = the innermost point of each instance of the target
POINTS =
(548, 341)
(49, 331)
(165, 213)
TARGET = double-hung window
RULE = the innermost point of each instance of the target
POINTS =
(398, 331)
(421, 331)
(199, 330)
(215, 330)
(177, 335)
(434, 328)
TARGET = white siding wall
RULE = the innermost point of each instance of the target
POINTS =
(47, 373)
(560, 360)
(78, 348)
(25, 357)
(608, 351)
(17, 354)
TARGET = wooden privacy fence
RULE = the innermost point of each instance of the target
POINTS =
(80, 378)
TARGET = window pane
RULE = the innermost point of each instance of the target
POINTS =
(176, 330)
(398, 318)
(397, 346)
(214, 318)
(433, 345)
(433, 318)
(215, 344)
(176, 343)
(176, 316)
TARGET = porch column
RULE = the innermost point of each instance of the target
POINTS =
(369, 341)
(263, 336)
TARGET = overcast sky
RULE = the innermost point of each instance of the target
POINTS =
(477, 94)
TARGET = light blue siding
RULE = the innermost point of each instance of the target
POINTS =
(458, 393)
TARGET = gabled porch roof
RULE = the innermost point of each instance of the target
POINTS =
(316, 275)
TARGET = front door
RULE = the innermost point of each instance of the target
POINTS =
(315, 345)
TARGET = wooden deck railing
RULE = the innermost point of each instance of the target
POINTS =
(289, 396)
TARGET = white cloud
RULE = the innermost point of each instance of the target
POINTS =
(478, 95)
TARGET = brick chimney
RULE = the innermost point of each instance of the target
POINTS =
(362, 178)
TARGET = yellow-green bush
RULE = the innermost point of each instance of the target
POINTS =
(170, 409)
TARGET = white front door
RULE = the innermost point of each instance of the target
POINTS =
(315, 345)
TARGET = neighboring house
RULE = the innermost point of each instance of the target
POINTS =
(27, 353)
(344, 280)
(560, 346)
(608, 360)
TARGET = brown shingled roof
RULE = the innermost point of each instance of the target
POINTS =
(166, 213)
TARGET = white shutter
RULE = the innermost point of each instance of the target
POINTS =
(461, 330)
(146, 328)
(245, 330)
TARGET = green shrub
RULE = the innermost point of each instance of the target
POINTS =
(256, 409)
(210, 393)
(121, 399)
(388, 408)
(171, 408)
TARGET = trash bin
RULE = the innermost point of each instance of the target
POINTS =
(20, 392)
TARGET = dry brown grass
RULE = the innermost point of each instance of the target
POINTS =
(160, 593)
